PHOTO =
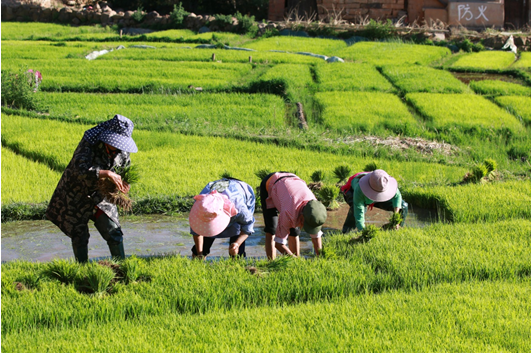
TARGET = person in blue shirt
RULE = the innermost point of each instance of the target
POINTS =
(223, 209)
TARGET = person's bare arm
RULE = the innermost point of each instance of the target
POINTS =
(234, 247)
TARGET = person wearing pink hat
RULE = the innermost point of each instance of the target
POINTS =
(287, 205)
(371, 189)
(223, 209)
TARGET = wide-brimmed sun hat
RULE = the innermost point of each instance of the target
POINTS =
(116, 132)
(378, 186)
(314, 213)
(211, 213)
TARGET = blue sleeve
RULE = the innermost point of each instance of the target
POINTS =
(244, 201)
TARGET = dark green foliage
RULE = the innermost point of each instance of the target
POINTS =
(517, 152)
(369, 232)
(23, 211)
(30, 281)
(139, 14)
(479, 171)
(262, 173)
(342, 173)
(317, 176)
(394, 220)
(370, 167)
(328, 194)
(245, 24)
(379, 30)
(163, 205)
(226, 174)
(18, 89)
(467, 46)
(178, 14)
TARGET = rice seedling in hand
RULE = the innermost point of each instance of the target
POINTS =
(130, 175)
(395, 220)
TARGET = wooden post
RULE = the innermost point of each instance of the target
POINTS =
(121, 32)
(250, 59)
(213, 56)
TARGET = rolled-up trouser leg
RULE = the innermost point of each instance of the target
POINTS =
(111, 233)
(350, 222)
(80, 243)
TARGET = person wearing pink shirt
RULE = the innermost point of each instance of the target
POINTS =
(287, 205)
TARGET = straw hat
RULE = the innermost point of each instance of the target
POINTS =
(378, 186)
(211, 213)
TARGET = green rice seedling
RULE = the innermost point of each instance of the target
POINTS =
(490, 164)
(317, 176)
(291, 44)
(369, 232)
(130, 174)
(142, 76)
(351, 112)
(19, 50)
(284, 79)
(351, 77)
(66, 271)
(131, 269)
(469, 113)
(524, 61)
(392, 53)
(342, 173)
(261, 174)
(39, 30)
(371, 166)
(517, 105)
(328, 195)
(29, 281)
(95, 279)
(488, 60)
(417, 78)
(395, 220)
(19, 182)
(497, 87)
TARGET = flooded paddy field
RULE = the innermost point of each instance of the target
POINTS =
(152, 235)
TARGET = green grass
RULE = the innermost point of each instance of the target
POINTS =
(468, 113)
(517, 105)
(524, 61)
(328, 47)
(368, 112)
(489, 202)
(392, 53)
(351, 77)
(416, 78)
(171, 112)
(36, 30)
(24, 180)
(18, 50)
(488, 60)
(187, 157)
(134, 76)
(497, 87)
(478, 316)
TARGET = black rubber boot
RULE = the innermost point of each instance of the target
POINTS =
(81, 253)
(117, 250)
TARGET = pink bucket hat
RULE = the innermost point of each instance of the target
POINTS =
(378, 186)
(211, 213)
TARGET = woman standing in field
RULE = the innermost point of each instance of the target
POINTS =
(367, 189)
(77, 199)
(223, 209)
(289, 204)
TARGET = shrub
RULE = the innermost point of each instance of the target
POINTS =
(178, 14)
(19, 88)
(139, 14)
(379, 30)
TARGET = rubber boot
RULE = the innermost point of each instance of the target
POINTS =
(81, 253)
(117, 250)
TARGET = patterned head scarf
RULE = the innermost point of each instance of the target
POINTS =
(115, 132)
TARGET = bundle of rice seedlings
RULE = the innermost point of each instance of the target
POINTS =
(395, 219)
(130, 175)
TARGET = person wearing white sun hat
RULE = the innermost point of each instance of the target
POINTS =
(371, 189)
(223, 209)
(77, 199)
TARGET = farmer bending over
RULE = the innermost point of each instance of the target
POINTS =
(224, 209)
(288, 204)
(77, 200)
(367, 189)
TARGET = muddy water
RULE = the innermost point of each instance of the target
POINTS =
(467, 77)
(160, 235)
